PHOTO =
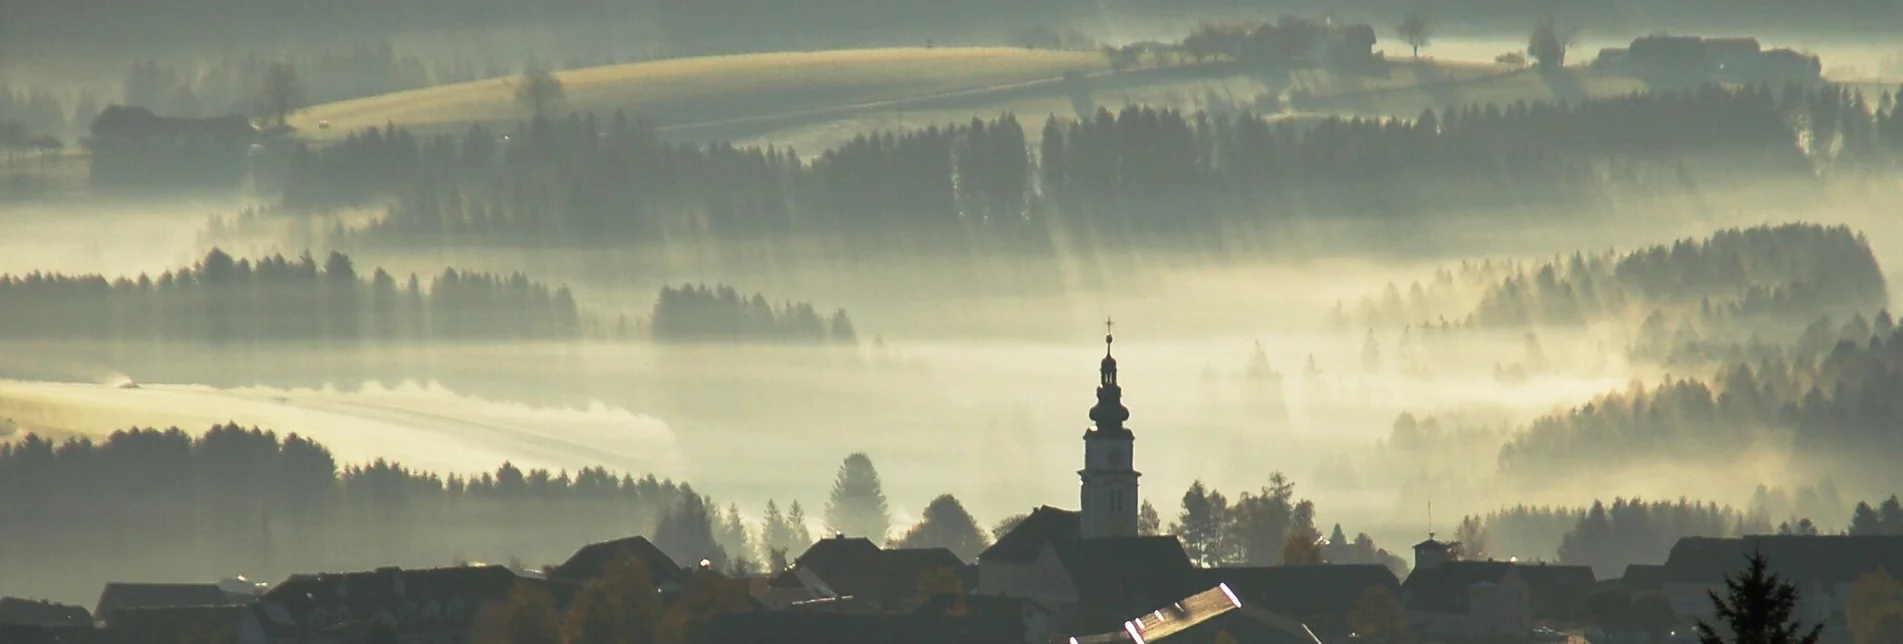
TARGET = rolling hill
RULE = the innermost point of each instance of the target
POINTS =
(814, 100)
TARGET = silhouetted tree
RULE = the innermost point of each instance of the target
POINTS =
(1415, 31)
(283, 93)
(1757, 609)
(1547, 46)
(857, 506)
(538, 90)
(946, 524)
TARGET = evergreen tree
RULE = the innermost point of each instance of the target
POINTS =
(800, 538)
(775, 533)
(857, 506)
(687, 532)
(1757, 609)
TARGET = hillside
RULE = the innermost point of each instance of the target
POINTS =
(718, 87)
(815, 100)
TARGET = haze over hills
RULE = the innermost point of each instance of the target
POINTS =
(548, 277)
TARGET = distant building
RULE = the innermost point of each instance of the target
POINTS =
(1449, 598)
(1822, 567)
(134, 149)
(827, 628)
(119, 596)
(876, 579)
(1687, 57)
(591, 563)
(427, 605)
(1208, 617)
(236, 623)
(32, 612)
(1321, 597)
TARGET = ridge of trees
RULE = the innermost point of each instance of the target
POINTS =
(221, 299)
(699, 312)
(145, 503)
(1829, 410)
(1789, 272)
(1097, 181)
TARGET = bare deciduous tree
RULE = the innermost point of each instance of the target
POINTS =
(1415, 32)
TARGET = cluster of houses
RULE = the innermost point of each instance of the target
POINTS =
(1732, 59)
(1059, 577)
(1042, 583)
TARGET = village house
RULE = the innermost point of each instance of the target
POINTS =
(1213, 616)
(1688, 57)
(134, 148)
(1822, 567)
(852, 575)
(426, 605)
(1321, 597)
(1449, 598)
(591, 561)
(118, 596)
(32, 612)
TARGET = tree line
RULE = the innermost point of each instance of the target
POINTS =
(1137, 176)
(150, 504)
(1790, 272)
(1607, 536)
(1830, 412)
(1268, 527)
(225, 300)
(697, 312)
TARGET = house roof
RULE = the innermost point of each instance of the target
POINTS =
(25, 612)
(1025, 542)
(364, 593)
(1642, 577)
(1320, 595)
(1122, 576)
(848, 565)
(1216, 607)
(1803, 559)
(181, 620)
(852, 566)
(37, 634)
(822, 628)
(1554, 591)
(119, 595)
(591, 561)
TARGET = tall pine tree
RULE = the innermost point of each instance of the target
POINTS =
(857, 507)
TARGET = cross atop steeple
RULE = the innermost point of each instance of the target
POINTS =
(1107, 337)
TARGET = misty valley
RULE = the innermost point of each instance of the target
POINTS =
(630, 322)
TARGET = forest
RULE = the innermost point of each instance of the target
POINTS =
(225, 300)
(1138, 176)
(136, 504)
(1825, 411)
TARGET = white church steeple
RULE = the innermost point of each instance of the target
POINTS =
(1109, 492)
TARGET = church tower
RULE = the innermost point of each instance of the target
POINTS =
(1109, 483)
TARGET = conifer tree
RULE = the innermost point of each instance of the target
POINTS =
(1757, 609)
(857, 507)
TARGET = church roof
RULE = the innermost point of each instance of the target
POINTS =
(1025, 542)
